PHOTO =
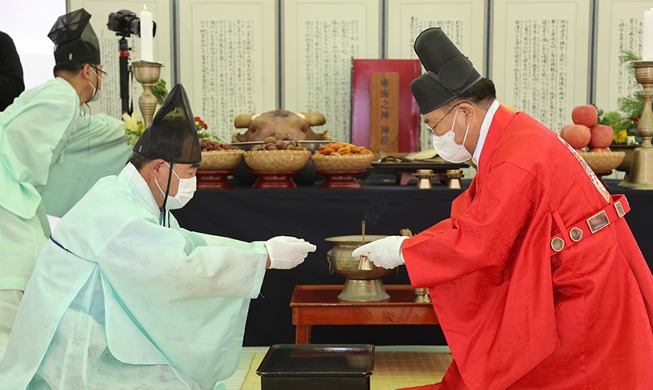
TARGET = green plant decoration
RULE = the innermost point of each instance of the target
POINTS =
(160, 90)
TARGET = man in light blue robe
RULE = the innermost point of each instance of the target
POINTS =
(45, 142)
(99, 148)
(122, 297)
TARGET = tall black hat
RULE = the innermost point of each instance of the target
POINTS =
(449, 72)
(75, 39)
(172, 135)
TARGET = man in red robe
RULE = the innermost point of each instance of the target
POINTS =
(537, 280)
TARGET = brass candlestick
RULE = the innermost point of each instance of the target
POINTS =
(147, 73)
(641, 171)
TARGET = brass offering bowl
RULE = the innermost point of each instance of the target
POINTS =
(361, 285)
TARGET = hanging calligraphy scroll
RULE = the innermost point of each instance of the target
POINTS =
(463, 21)
(227, 59)
(540, 57)
(619, 29)
(109, 100)
(320, 39)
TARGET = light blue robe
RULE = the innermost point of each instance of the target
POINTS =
(98, 148)
(128, 299)
(44, 139)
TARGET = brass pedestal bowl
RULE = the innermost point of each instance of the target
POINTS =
(362, 284)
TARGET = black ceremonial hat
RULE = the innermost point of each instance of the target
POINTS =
(449, 72)
(172, 135)
(75, 39)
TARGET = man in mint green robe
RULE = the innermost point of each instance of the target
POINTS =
(99, 148)
(121, 296)
(43, 135)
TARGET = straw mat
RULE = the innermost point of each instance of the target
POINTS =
(391, 370)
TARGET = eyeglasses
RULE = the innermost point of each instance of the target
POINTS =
(100, 73)
(432, 129)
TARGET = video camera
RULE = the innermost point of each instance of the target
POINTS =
(125, 23)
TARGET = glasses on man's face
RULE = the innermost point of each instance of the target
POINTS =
(432, 129)
(100, 73)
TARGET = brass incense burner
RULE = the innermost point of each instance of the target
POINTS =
(363, 279)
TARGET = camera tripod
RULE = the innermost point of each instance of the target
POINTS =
(123, 48)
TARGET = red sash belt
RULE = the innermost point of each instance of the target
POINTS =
(585, 228)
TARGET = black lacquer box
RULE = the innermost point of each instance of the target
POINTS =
(317, 367)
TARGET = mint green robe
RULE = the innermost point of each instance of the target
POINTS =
(44, 142)
(99, 148)
(131, 302)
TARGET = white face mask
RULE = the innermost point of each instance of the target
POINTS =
(96, 92)
(185, 192)
(447, 147)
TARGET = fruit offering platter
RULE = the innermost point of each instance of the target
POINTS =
(274, 162)
(592, 140)
(218, 162)
(340, 163)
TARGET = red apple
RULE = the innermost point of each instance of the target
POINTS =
(602, 136)
(585, 115)
(564, 130)
(600, 150)
(578, 136)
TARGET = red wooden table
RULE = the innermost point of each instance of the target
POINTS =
(319, 305)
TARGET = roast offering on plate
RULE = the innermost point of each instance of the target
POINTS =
(281, 124)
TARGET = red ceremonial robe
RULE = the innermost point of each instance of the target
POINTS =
(515, 316)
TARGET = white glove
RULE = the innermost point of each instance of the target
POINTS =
(287, 252)
(384, 253)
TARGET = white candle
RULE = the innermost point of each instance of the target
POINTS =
(647, 36)
(146, 35)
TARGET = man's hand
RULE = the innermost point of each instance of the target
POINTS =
(384, 253)
(287, 252)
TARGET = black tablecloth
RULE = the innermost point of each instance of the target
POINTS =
(313, 214)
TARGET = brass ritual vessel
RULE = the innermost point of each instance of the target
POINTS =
(361, 284)
(424, 177)
(422, 295)
(454, 176)
(147, 73)
(640, 175)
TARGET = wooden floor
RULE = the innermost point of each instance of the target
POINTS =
(394, 367)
